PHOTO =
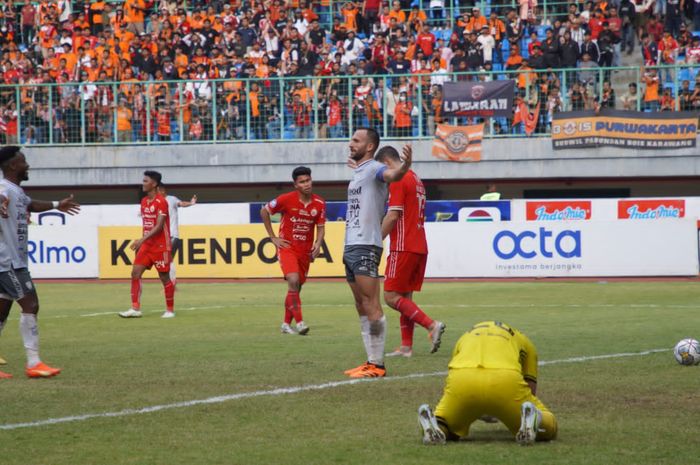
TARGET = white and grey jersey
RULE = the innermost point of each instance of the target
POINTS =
(367, 195)
(172, 212)
(14, 228)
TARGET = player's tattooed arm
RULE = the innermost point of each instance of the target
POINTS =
(67, 205)
(4, 205)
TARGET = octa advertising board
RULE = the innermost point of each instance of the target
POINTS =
(586, 248)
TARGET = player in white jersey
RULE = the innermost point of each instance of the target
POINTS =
(15, 280)
(367, 196)
(173, 204)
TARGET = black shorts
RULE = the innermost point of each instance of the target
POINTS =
(15, 284)
(361, 260)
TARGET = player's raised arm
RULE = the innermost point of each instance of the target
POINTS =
(396, 174)
(278, 241)
(185, 204)
(4, 204)
(389, 221)
(67, 205)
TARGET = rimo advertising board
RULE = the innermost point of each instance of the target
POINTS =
(553, 249)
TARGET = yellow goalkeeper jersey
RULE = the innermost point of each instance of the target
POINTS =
(492, 344)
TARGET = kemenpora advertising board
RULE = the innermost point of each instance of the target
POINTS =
(553, 249)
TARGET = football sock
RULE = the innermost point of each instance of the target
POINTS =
(410, 310)
(293, 304)
(30, 336)
(548, 426)
(169, 289)
(406, 331)
(136, 293)
(364, 330)
(377, 338)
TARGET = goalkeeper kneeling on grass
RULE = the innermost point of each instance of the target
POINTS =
(493, 372)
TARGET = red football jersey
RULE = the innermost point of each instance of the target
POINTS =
(408, 197)
(298, 220)
(150, 211)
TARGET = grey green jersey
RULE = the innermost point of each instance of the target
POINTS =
(367, 195)
(14, 228)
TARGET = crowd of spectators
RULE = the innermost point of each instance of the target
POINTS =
(164, 70)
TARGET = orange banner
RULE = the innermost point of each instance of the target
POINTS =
(458, 143)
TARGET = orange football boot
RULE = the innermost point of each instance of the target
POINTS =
(42, 370)
(370, 371)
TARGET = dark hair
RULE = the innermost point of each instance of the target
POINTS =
(155, 175)
(300, 171)
(372, 135)
(387, 153)
(8, 152)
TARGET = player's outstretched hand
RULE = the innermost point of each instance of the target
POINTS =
(4, 205)
(406, 156)
(70, 206)
(194, 199)
(280, 243)
(352, 164)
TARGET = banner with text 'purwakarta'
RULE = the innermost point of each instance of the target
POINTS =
(627, 129)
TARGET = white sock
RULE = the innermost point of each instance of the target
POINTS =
(172, 272)
(377, 338)
(364, 330)
(30, 335)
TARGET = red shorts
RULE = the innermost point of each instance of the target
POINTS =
(149, 257)
(294, 262)
(404, 271)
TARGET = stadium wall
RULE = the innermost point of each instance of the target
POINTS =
(261, 163)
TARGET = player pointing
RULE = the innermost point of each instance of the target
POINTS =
(408, 254)
(15, 281)
(301, 211)
(367, 195)
(153, 248)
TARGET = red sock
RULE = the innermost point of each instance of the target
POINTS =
(169, 289)
(293, 304)
(411, 311)
(136, 293)
(288, 304)
(406, 331)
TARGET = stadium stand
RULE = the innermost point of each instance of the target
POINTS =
(168, 71)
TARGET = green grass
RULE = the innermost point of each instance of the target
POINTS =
(225, 340)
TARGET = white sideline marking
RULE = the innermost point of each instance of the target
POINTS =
(273, 304)
(283, 391)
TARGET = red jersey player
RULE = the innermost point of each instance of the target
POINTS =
(408, 254)
(154, 248)
(301, 211)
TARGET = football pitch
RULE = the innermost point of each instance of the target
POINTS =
(219, 384)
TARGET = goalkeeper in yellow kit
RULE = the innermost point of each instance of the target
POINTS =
(493, 372)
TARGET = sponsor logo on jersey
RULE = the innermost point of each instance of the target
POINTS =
(652, 209)
(558, 210)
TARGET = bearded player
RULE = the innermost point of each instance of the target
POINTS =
(296, 248)
(153, 248)
(408, 254)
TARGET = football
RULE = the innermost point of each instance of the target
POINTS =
(687, 352)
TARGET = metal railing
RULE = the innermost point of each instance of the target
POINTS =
(309, 108)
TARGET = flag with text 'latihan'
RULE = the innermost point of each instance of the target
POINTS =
(458, 143)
